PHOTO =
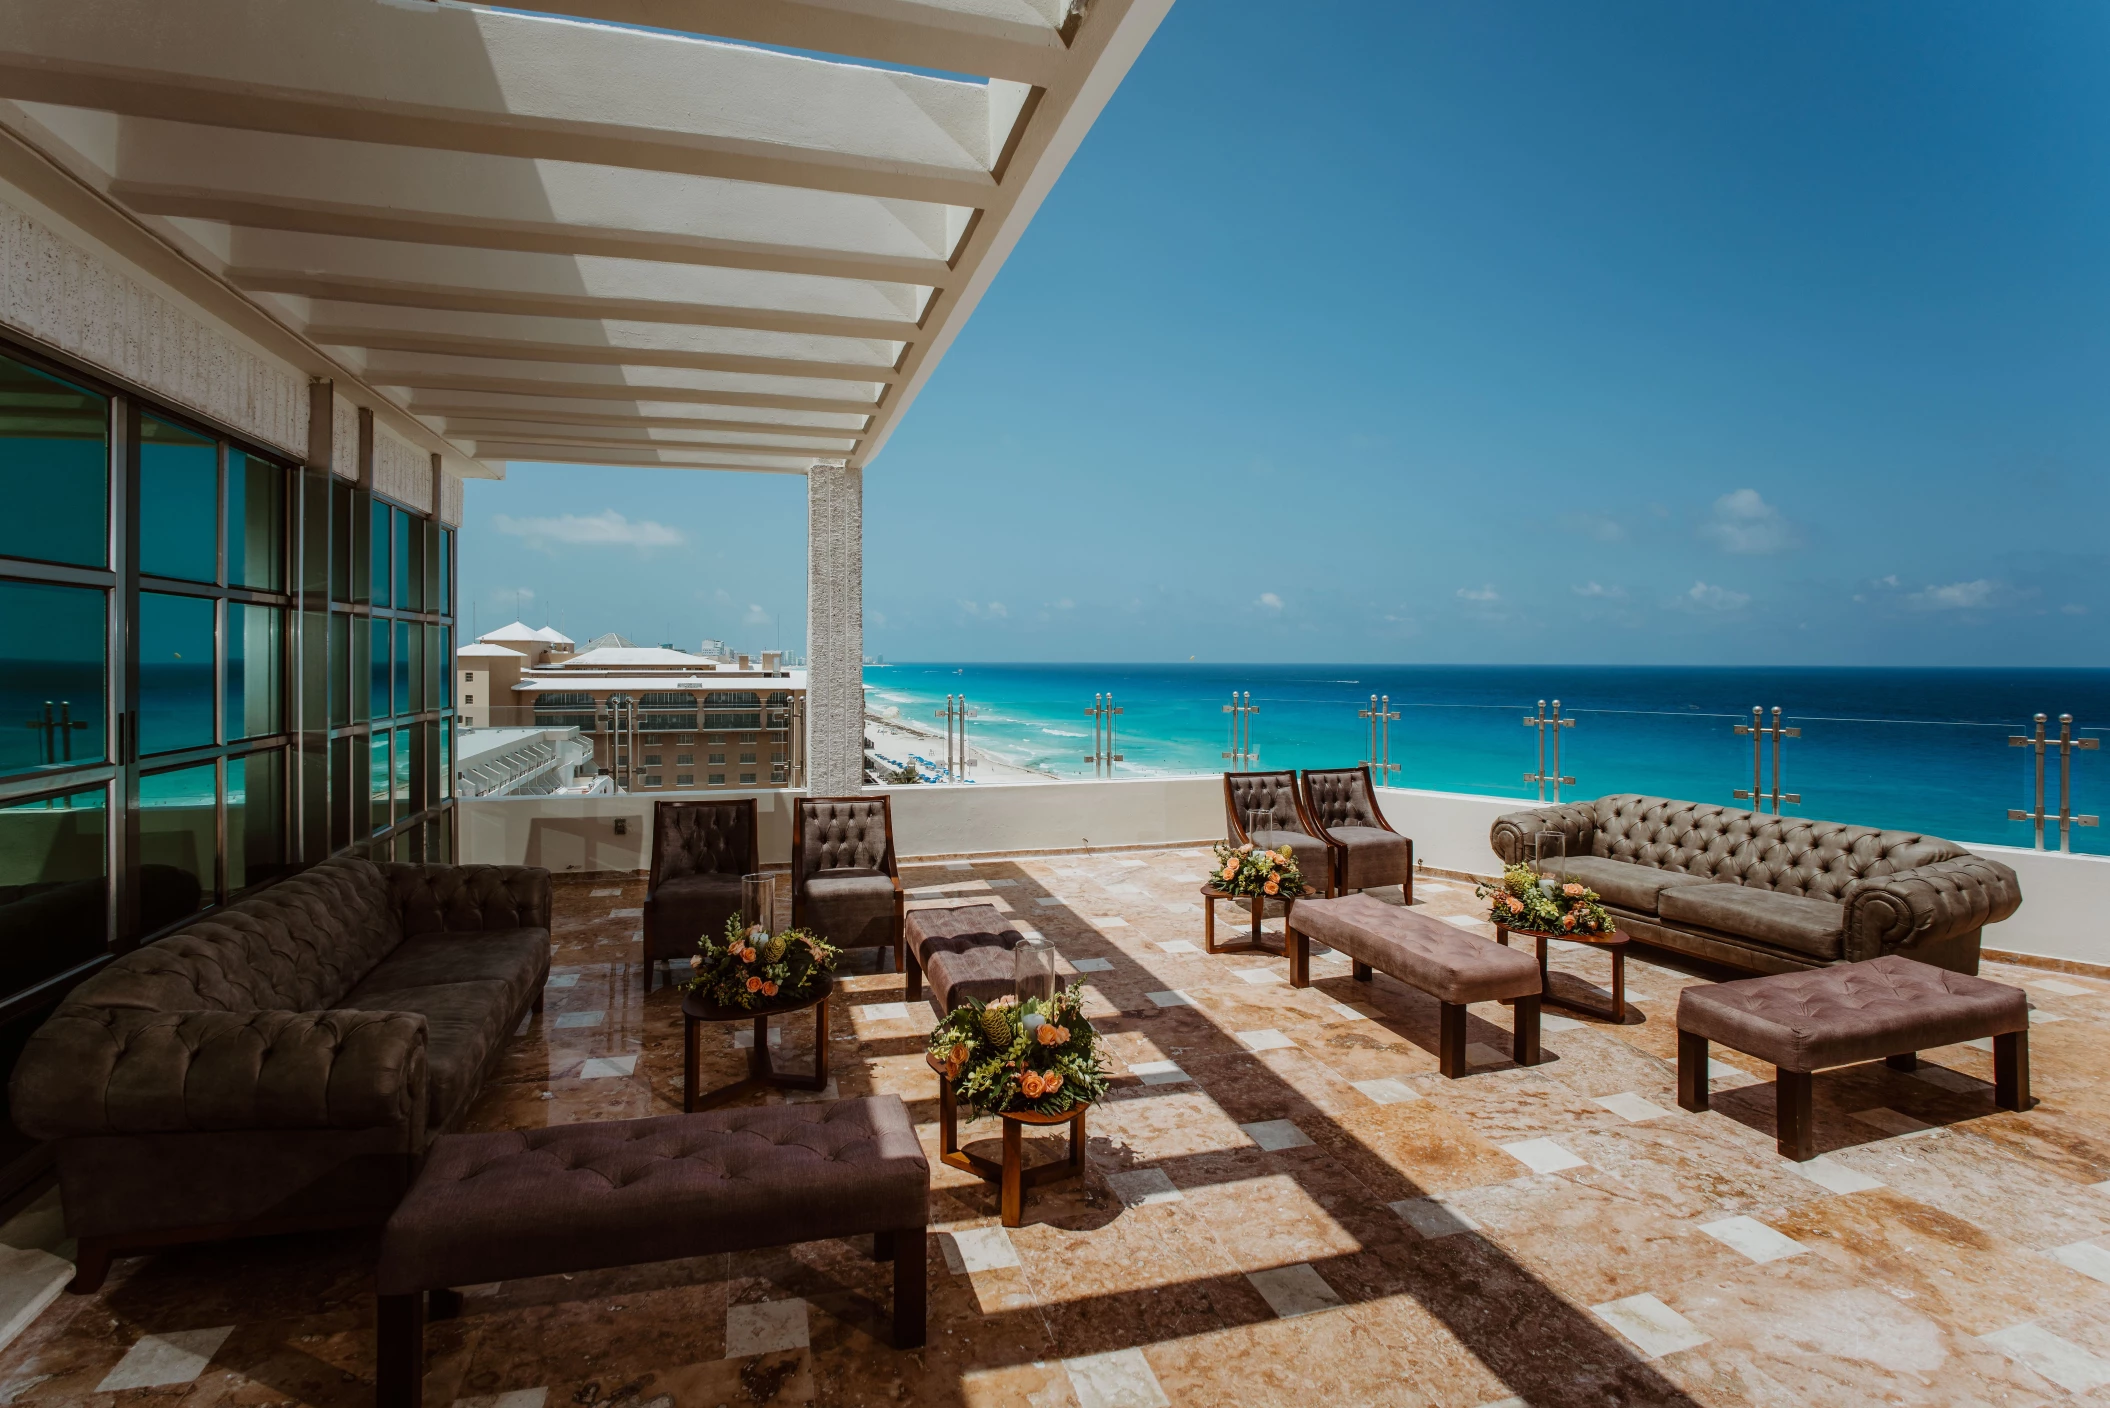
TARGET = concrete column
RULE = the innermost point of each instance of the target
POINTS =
(835, 630)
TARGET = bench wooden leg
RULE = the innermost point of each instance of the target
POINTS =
(1359, 970)
(443, 1304)
(1450, 1039)
(91, 1262)
(2011, 1071)
(1299, 956)
(911, 1275)
(1692, 1071)
(1795, 1132)
(399, 1351)
(912, 975)
(1524, 1042)
(882, 1246)
(1903, 1061)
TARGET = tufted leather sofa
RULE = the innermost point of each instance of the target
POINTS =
(1771, 894)
(281, 1064)
(700, 850)
(845, 882)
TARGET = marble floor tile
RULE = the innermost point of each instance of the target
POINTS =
(156, 1361)
(1170, 997)
(1753, 1238)
(1542, 1155)
(1833, 1176)
(1653, 1327)
(1092, 965)
(1159, 1073)
(1433, 1217)
(765, 1327)
(1267, 1039)
(980, 1249)
(1294, 1290)
(2063, 1362)
(1142, 1187)
(1120, 1379)
(608, 1067)
(1631, 1107)
(1387, 1091)
(1276, 1135)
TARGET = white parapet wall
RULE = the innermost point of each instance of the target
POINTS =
(2065, 897)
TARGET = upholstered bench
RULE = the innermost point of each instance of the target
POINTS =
(966, 952)
(1454, 967)
(578, 1197)
(1888, 1008)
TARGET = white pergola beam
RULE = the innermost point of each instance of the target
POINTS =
(597, 384)
(462, 78)
(541, 452)
(549, 411)
(644, 437)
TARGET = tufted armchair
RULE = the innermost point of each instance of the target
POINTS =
(282, 1063)
(1245, 792)
(1772, 893)
(845, 882)
(699, 852)
(1367, 853)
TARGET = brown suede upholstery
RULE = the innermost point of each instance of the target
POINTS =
(700, 851)
(1368, 853)
(965, 952)
(1808, 892)
(282, 1062)
(1440, 959)
(1246, 792)
(578, 1197)
(845, 884)
(1852, 1012)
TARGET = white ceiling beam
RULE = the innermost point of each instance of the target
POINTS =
(541, 452)
(1002, 40)
(460, 78)
(571, 383)
(565, 411)
(639, 437)
(583, 354)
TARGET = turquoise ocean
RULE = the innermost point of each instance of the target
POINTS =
(1914, 749)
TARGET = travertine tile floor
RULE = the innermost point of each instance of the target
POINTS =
(1285, 1204)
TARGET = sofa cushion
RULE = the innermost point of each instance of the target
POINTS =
(1854, 1012)
(930, 932)
(1625, 883)
(464, 1024)
(1375, 857)
(519, 958)
(851, 908)
(1816, 928)
(1438, 958)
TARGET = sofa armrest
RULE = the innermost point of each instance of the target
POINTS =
(1929, 903)
(1511, 834)
(452, 899)
(118, 1070)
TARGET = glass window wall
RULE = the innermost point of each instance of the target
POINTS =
(51, 693)
(54, 468)
(179, 502)
(175, 672)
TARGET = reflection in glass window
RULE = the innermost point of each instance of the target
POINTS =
(175, 672)
(442, 595)
(447, 758)
(378, 520)
(253, 670)
(255, 521)
(406, 587)
(179, 502)
(401, 672)
(51, 693)
(256, 825)
(402, 772)
(341, 680)
(179, 833)
(55, 896)
(54, 468)
(377, 780)
(377, 669)
(440, 655)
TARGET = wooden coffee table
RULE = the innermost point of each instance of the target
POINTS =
(1612, 940)
(760, 1071)
(1011, 1176)
(1211, 894)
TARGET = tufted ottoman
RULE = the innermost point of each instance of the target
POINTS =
(1887, 1007)
(965, 951)
(539, 1202)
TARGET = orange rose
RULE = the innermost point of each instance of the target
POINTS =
(1029, 1085)
(1052, 1035)
(1568, 920)
(1572, 890)
(1516, 906)
(1231, 871)
(1273, 885)
(754, 985)
(1051, 1082)
(769, 989)
(747, 955)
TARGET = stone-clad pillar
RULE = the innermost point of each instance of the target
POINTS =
(835, 632)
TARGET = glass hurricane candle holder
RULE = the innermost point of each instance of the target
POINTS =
(1033, 970)
(1549, 856)
(1259, 821)
(758, 903)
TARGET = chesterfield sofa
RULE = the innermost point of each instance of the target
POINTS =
(1770, 894)
(281, 1064)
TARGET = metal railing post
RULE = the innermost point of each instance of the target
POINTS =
(1381, 715)
(2067, 745)
(1759, 734)
(1543, 721)
(1103, 757)
(1243, 752)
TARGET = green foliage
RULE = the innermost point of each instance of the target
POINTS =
(1250, 870)
(1003, 1063)
(905, 774)
(1531, 903)
(731, 972)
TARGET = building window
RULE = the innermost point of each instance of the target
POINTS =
(747, 738)
(650, 740)
(683, 760)
(747, 779)
(715, 738)
(468, 699)
(688, 738)
(747, 757)
(717, 779)
(685, 779)
(652, 779)
(777, 756)
(651, 760)
(717, 759)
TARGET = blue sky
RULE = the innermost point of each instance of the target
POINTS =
(1478, 332)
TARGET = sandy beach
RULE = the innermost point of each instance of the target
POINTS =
(897, 739)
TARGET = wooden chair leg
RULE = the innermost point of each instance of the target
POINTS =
(911, 1285)
(882, 1246)
(2011, 1071)
(820, 1044)
(1795, 1128)
(1692, 1071)
(91, 1263)
(1359, 970)
(1012, 1192)
(399, 1351)
(1904, 1061)
(1524, 1042)
(1450, 1039)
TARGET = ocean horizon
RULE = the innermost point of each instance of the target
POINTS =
(1917, 749)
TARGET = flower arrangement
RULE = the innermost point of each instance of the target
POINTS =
(1254, 870)
(1533, 903)
(744, 970)
(1040, 1056)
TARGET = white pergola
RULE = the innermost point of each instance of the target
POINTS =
(704, 234)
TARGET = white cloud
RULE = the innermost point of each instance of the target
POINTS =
(1268, 601)
(1707, 597)
(1592, 589)
(993, 611)
(877, 618)
(756, 616)
(604, 529)
(1599, 527)
(1745, 523)
(1889, 581)
(1483, 594)
(1957, 596)
(2073, 608)
(996, 608)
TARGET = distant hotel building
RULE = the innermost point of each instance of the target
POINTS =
(658, 718)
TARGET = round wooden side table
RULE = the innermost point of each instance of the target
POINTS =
(760, 1071)
(1611, 940)
(1256, 903)
(1011, 1176)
